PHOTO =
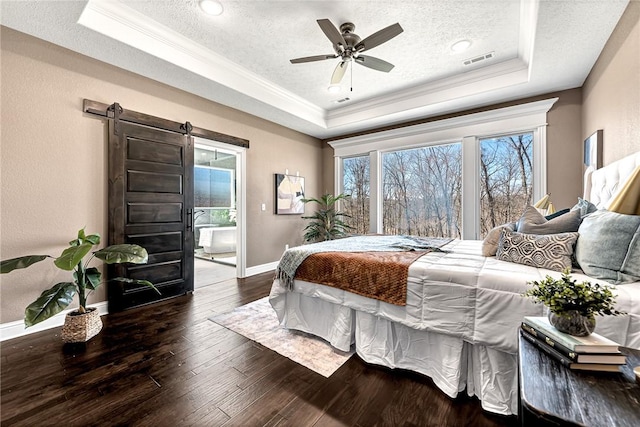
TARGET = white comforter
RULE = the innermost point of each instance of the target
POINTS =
(459, 326)
(462, 294)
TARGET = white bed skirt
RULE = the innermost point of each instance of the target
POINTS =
(452, 363)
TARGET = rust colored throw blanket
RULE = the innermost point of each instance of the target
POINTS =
(379, 275)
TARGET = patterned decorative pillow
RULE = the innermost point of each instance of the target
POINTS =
(490, 242)
(550, 251)
(533, 222)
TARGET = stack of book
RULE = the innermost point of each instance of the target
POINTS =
(591, 353)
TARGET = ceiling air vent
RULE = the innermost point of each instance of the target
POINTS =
(477, 59)
(340, 101)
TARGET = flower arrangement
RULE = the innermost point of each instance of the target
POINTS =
(565, 296)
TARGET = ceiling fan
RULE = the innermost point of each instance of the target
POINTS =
(348, 46)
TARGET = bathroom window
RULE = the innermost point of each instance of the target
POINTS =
(214, 217)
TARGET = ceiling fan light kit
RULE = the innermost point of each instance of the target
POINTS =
(461, 45)
(211, 7)
(348, 46)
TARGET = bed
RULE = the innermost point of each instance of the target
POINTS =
(463, 310)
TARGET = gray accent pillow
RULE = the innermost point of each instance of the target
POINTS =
(490, 242)
(533, 222)
(585, 207)
(550, 251)
(609, 247)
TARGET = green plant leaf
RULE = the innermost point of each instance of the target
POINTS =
(9, 265)
(79, 240)
(326, 222)
(51, 302)
(93, 277)
(566, 295)
(137, 282)
(72, 256)
(116, 254)
(93, 239)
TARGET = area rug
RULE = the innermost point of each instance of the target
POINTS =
(258, 322)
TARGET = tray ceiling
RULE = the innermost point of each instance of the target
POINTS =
(241, 58)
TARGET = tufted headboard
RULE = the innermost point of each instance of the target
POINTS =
(601, 184)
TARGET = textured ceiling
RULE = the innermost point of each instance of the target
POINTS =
(263, 36)
(241, 58)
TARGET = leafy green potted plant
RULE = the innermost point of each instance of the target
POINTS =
(83, 323)
(572, 305)
(327, 223)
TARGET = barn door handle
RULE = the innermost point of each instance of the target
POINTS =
(189, 219)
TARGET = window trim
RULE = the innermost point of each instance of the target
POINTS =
(468, 130)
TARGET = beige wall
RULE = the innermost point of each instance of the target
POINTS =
(564, 149)
(611, 93)
(53, 162)
(328, 169)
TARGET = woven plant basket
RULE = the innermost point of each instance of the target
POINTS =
(81, 327)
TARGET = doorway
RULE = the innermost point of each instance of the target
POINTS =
(217, 218)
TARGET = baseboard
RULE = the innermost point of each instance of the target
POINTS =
(17, 329)
(262, 268)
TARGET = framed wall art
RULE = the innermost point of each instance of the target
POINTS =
(593, 150)
(289, 194)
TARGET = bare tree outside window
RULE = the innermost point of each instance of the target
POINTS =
(356, 183)
(422, 187)
(422, 191)
(505, 179)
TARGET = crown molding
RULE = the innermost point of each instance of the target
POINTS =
(126, 25)
(420, 100)
(417, 101)
(518, 117)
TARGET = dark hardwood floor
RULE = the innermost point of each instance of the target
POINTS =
(167, 365)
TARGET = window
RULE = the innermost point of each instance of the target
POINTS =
(422, 190)
(214, 179)
(450, 177)
(213, 187)
(356, 183)
(505, 179)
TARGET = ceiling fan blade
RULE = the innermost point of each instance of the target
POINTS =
(379, 37)
(374, 63)
(331, 32)
(313, 58)
(338, 73)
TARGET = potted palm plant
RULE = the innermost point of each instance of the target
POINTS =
(572, 305)
(84, 323)
(327, 223)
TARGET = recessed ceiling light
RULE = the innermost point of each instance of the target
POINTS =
(212, 7)
(333, 88)
(461, 46)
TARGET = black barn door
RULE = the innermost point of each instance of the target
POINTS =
(151, 204)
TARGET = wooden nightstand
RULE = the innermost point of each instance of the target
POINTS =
(553, 395)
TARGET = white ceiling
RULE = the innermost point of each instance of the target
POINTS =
(241, 58)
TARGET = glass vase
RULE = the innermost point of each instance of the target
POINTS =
(573, 323)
